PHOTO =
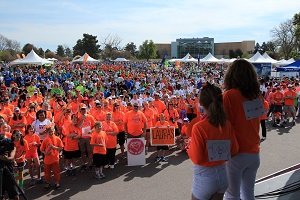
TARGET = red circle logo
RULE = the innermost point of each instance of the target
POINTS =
(135, 147)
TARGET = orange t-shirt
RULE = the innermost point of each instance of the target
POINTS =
(118, 118)
(111, 139)
(71, 144)
(30, 139)
(289, 97)
(204, 131)
(16, 122)
(266, 107)
(99, 138)
(158, 124)
(31, 116)
(278, 98)
(53, 157)
(135, 122)
(159, 105)
(99, 115)
(247, 131)
(88, 121)
(150, 116)
(171, 114)
(21, 149)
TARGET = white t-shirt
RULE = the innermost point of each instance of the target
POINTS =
(39, 127)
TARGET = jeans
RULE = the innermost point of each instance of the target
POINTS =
(209, 180)
(241, 171)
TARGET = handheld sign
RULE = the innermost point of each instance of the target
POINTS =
(161, 136)
(136, 151)
(218, 150)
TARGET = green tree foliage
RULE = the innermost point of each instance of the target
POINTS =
(238, 53)
(231, 54)
(68, 52)
(257, 48)
(147, 50)
(88, 44)
(131, 47)
(296, 23)
(60, 51)
(41, 52)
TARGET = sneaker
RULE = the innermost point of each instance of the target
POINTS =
(47, 186)
(146, 151)
(112, 166)
(124, 156)
(284, 122)
(163, 159)
(102, 176)
(82, 168)
(68, 172)
(32, 182)
(156, 158)
(39, 181)
(73, 172)
(91, 169)
(57, 186)
(294, 123)
(106, 166)
(263, 138)
(97, 176)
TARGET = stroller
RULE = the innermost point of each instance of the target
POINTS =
(277, 121)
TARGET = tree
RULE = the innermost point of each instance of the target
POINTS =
(68, 51)
(238, 53)
(8, 44)
(271, 46)
(28, 47)
(87, 45)
(131, 47)
(60, 51)
(41, 52)
(231, 54)
(111, 44)
(296, 23)
(47, 51)
(147, 50)
(284, 36)
(257, 48)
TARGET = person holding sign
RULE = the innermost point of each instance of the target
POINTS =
(85, 124)
(212, 144)
(161, 149)
(244, 107)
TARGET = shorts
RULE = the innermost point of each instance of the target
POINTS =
(8, 185)
(162, 148)
(71, 154)
(84, 145)
(99, 160)
(177, 132)
(19, 165)
(121, 138)
(289, 108)
(277, 108)
(209, 180)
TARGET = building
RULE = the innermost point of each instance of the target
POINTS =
(202, 46)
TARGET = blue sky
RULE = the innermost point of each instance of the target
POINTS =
(47, 24)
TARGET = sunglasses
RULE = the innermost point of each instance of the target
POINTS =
(18, 135)
(135, 106)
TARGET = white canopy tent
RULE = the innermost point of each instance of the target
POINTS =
(268, 58)
(283, 62)
(89, 59)
(186, 58)
(120, 60)
(258, 58)
(31, 58)
(209, 58)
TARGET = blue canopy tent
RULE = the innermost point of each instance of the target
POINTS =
(293, 67)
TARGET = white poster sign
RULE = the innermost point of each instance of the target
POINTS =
(136, 151)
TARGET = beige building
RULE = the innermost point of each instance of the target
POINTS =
(219, 50)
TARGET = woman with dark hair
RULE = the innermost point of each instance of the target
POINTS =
(18, 122)
(22, 106)
(208, 135)
(118, 117)
(172, 116)
(244, 107)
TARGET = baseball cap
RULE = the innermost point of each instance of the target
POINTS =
(16, 109)
(186, 119)
(82, 105)
(97, 102)
(290, 86)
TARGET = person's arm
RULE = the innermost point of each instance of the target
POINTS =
(9, 158)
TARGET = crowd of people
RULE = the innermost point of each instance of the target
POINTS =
(87, 111)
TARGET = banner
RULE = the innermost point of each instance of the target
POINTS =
(161, 136)
(136, 151)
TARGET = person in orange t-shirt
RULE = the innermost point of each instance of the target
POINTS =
(242, 88)
(111, 130)
(172, 116)
(30, 114)
(97, 112)
(5, 111)
(263, 120)
(289, 97)
(4, 129)
(51, 146)
(182, 139)
(118, 117)
(161, 149)
(150, 116)
(31, 155)
(18, 122)
(159, 104)
(135, 122)
(99, 141)
(207, 137)
(71, 149)
(21, 148)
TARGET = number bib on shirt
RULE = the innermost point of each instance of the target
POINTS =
(218, 150)
(86, 130)
(254, 108)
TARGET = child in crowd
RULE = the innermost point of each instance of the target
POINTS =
(208, 136)
(51, 146)
(161, 150)
(21, 148)
(98, 141)
(182, 139)
(32, 154)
